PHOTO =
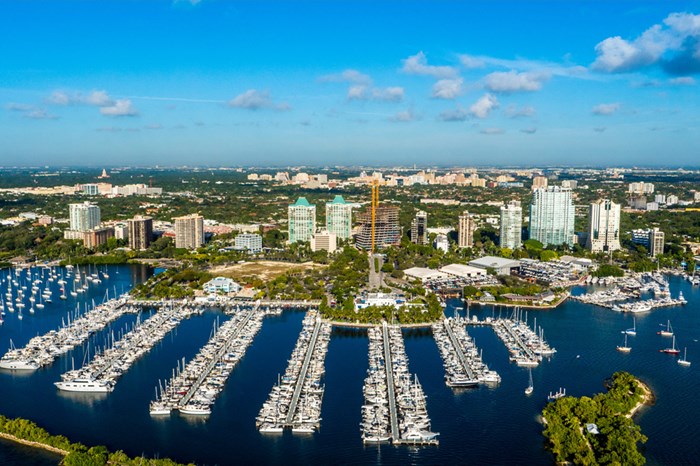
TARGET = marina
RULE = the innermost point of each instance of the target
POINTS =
(102, 373)
(194, 389)
(526, 347)
(295, 401)
(464, 366)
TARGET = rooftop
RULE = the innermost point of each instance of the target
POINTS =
(494, 262)
(338, 199)
(301, 202)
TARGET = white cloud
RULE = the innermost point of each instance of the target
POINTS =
(404, 116)
(95, 98)
(447, 88)
(347, 76)
(675, 45)
(121, 107)
(16, 107)
(418, 64)
(98, 98)
(387, 94)
(40, 114)
(512, 81)
(471, 61)
(492, 131)
(482, 107)
(453, 115)
(606, 109)
(682, 81)
(253, 99)
(513, 111)
(59, 98)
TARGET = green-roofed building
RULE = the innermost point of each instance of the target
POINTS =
(302, 220)
(339, 217)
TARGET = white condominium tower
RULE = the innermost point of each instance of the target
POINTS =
(604, 226)
(466, 229)
(511, 225)
(302, 220)
(552, 216)
(339, 217)
(189, 231)
(84, 216)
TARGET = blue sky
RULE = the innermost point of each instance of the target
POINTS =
(214, 82)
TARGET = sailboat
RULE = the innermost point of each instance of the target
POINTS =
(624, 348)
(631, 331)
(672, 349)
(668, 332)
(530, 387)
(684, 360)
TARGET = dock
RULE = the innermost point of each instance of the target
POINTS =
(102, 373)
(194, 389)
(295, 401)
(462, 360)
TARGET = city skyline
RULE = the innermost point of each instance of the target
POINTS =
(225, 83)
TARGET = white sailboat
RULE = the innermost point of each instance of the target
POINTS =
(684, 360)
(668, 332)
(530, 388)
(624, 348)
(632, 331)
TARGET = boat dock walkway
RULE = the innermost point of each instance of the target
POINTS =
(462, 360)
(42, 350)
(295, 402)
(393, 416)
(102, 373)
(193, 389)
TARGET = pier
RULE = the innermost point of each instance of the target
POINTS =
(295, 401)
(194, 389)
(463, 363)
(395, 408)
(42, 350)
(102, 373)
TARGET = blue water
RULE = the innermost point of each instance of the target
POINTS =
(482, 426)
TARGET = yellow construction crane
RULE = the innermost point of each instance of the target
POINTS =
(375, 204)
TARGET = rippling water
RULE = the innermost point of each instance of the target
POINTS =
(481, 426)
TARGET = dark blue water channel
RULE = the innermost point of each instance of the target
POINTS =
(481, 426)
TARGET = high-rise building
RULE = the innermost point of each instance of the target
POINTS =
(511, 225)
(189, 231)
(97, 237)
(465, 230)
(251, 242)
(641, 188)
(419, 228)
(84, 216)
(604, 226)
(656, 242)
(387, 231)
(324, 241)
(552, 216)
(140, 232)
(339, 217)
(539, 182)
(302, 220)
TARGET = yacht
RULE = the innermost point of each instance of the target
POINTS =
(672, 349)
(668, 332)
(684, 360)
(624, 348)
(85, 385)
(530, 388)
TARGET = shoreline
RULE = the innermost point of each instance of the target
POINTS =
(33, 444)
(522, 306)
(337, 323)
(647, 400)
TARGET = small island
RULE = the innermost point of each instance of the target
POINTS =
(598, 430)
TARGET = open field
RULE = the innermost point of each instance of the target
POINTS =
(265, 270)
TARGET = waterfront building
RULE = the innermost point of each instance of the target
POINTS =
(552, 216)
(387, 228)
(465, 230)
(324, 241)
(339, 217)
(251, 242)
(84, 216)
(97, 237)
(419, 228)
(140, 232)
(302, 220)
(221, 285)
(603, 226)
(189, 231)
(511, 225)
(653, 239)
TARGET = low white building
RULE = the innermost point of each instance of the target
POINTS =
(221, 285)
(501, 265)
(424, 274)
(442, 243)
(463, 271)
(379, 299)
